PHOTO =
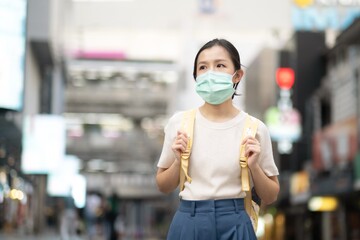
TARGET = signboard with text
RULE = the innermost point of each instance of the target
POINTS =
(324, 14)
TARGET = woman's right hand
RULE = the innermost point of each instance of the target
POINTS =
(168, 179)
(179, 144)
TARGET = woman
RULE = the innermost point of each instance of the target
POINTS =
(211, 206)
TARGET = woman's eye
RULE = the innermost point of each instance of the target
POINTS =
(220, 65)
(201, 67)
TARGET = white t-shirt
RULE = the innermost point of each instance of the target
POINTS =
(214, 162)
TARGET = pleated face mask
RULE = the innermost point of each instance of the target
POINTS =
(215, 87)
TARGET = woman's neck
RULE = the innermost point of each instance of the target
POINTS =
(219, 113)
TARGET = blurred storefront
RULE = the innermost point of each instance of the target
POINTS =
(323, 198)
(320, 175)
(334, 200)
(15, 188)
(30, 84)
(16, 191)
(336, 136)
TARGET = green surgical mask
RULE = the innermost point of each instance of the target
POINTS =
(215, 87)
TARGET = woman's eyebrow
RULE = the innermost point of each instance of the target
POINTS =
(202, 62)
(221, 60)
(216, 60)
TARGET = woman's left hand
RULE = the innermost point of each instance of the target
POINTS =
(252, 150)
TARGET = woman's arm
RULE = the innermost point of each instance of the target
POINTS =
(167, 179)
(267, 188)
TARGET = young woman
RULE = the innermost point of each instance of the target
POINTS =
(212, 206)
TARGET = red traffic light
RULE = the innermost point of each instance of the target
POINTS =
(285, 78)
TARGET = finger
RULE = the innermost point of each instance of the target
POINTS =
(251, 149)
(183, 137)
(244, 140)
(250, 140)
(182, 133)
(183, 141)
(252, 146)
(178, 148)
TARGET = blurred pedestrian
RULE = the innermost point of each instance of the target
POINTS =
(69, 221)
(212, 204)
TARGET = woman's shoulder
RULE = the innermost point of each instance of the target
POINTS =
(176, 118)
(261, 125)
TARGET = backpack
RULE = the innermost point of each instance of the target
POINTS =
(252, 201)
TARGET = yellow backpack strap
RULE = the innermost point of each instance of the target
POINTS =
(249, 130)
(187, 125)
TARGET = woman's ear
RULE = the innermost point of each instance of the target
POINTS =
(238, 76)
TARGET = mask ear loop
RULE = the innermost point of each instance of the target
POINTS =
(235, 85)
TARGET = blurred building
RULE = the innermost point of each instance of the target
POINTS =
(336, 136)
(260, 79)
(319, 178)
(115, 112)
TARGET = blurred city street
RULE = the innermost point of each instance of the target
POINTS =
(88, 88)
(44, 236)
(52, 235)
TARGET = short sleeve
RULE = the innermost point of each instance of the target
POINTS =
(170, 130)
(266, 158)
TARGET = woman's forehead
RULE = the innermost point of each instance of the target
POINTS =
(213, 54)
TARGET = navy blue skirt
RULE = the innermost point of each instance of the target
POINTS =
(211, 220)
